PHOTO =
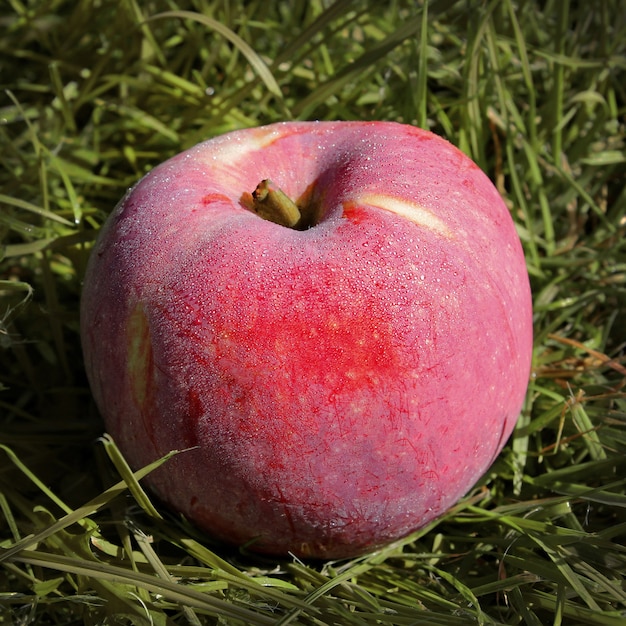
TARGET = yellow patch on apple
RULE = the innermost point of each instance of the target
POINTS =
(409, 210)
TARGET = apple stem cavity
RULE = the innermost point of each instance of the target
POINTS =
(273, 204)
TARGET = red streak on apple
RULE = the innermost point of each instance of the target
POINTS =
(339, 384)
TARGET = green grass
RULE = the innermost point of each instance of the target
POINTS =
(96, 92)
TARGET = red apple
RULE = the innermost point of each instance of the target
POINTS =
(341, 375)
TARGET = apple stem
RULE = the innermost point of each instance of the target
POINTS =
(273, 204)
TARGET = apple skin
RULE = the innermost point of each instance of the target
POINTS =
(334, 388)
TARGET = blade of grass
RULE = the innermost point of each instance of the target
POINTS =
(28, 206)
(559, 83)
(333, 12)
(421, 95)
(79, 515)
(161, 571)
(368, 59)
(174, 592)
(35, 479)
(248, 52)
(128, 477)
